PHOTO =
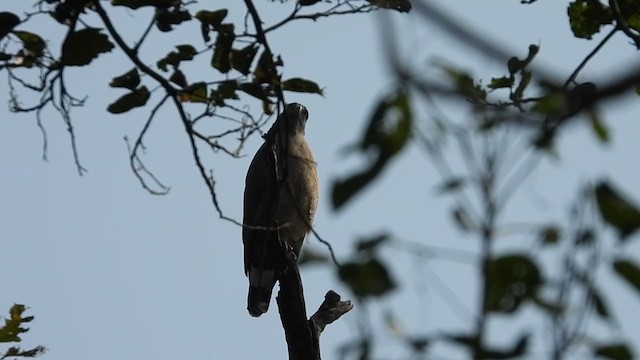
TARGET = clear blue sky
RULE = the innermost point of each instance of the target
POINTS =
(112, 272)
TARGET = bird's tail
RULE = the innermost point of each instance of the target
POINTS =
(261, 283)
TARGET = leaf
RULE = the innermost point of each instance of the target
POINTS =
(616, 351)
(211, 18)
(308, 2)
(501, 82)
(451, 185)
(254, 90)
(8, 21)
(600, 129)
(33, 43)
(178, 78)
(370, 244)
(525, 80)
(599, 305)
(369, 278)
(629, 271)
(398, 5)
(587, 17)
(194, 93)
(387, 133)
(515, 65)
(311, 256)
(185, 52)
(134, 4)
(129, 80)
(222, 49)
(549, 235)
(514, 279)
(166, 18)
(301, 85)
(241, 59)
(12, 328)
(616, 210)
(82, 46)
(133, 99)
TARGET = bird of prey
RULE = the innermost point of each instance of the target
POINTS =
(280, 200)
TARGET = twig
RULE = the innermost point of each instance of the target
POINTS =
(584, 62)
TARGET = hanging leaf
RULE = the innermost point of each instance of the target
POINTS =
(32, 43)
(629, 272)
(616, 351)
(515, 65)
(587, 17)
(212, 18)
(194, 93)
(134, 4)
(222, 50)
(82, 46)
(514, 279)
(387, 133)
(178, 78)
(370, 244)
(301, 85)
(241, 59)
(501, 82)
(600, 129)
(369, 278)
(185, 52)
(549, 235)
(133, 99)
(166, 18)
(616, 210)
(8, 21)
(13, 324)
(129, 80)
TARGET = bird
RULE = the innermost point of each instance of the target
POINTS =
(280, 201)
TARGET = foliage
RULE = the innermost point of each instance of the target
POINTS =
(10, 332)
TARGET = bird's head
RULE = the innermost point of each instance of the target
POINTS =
(294, 118)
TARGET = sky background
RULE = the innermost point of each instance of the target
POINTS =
(112, 272)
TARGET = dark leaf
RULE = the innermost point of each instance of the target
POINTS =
(618, 351)
(133, 99)
(370, 244)
(587, 17)
(599, 304)
(301, 85)
(525, 79)
(222, 50)
(388, 131)
(549, 235)
(82, 46)
(502, 82)
(166, 18)
(451, 185)
(629, 271)
(194, 93)
(178, 78)
(514, 279)
(211, 18)
(419, 344)
(16, 352)
(254, 90)
(227, 89)
(4, 56)
(134, 4)
(32, 43)
(311, 256)
(185, 53)
(241, 59)
(515, 65)
(264, 72)
(398, 5)
(368, 278)
(8, 21)
(129, 80)
(11, 330)
(616, 210)
(600, 129)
